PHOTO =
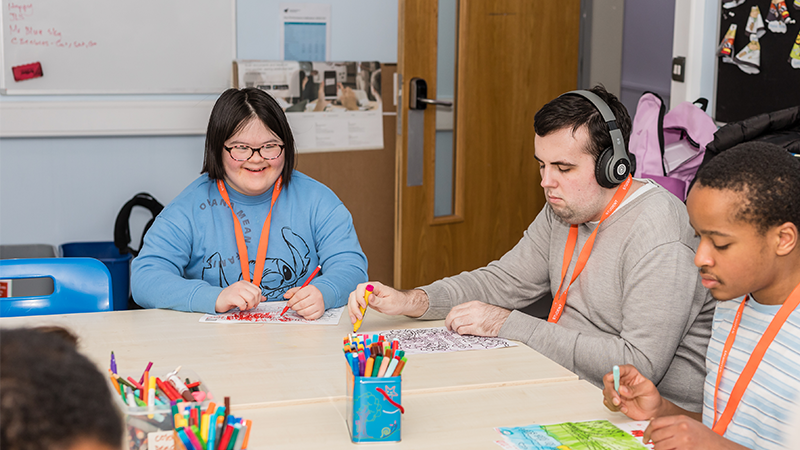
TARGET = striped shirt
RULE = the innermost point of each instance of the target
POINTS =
(763, 417)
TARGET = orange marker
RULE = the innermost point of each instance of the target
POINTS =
(114, 381)
(368, 367)
(247, 435)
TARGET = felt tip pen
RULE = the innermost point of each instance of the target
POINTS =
(615, 370)
(146, 371)
(392, 366)
(136, 384)
(114, 381)
(129, 396)
(113, 363)
(384, 364)
(151, 393)
(377, 366)
(234, 436)
(367, 291)
(313, 274)
(212, 427)
(204, 426)
(368, 367)
(249, 426)
(185, 438)
(399, 369)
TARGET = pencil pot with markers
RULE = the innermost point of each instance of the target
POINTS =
(374, 389)
(150, 419)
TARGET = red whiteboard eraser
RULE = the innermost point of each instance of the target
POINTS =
(27, 71)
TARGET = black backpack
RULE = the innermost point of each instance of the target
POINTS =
(122, 231)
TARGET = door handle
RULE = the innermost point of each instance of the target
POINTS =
(419, 91)
(435, 102)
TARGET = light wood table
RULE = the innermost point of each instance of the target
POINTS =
(282, 364)
(458, 420)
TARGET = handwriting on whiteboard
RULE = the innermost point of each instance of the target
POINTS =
(32, 35)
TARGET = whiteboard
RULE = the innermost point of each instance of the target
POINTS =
(119, 46)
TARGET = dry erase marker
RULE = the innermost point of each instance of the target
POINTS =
(313, 274)
(367, 291)
(616, 378)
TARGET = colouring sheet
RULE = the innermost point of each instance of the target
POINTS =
(270, 312)
(437, 340)
(590, 435)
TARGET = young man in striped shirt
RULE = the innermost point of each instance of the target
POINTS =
(745, 208)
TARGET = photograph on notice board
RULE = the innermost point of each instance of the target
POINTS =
(299, 85)
(347, 92)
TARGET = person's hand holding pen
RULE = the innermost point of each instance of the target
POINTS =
(307, 301)
(242, 294)
(387, 300)
(637, 398)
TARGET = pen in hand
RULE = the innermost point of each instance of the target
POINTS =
(313, 274)
(367, 291)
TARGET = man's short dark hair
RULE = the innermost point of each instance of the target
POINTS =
(765, 175)
(51, 396)
(233, 110)
(573, 111)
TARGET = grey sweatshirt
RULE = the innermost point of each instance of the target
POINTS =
(639, 299)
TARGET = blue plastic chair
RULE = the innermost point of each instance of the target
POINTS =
(79, 285)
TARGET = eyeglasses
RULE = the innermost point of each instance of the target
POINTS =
(245, 152)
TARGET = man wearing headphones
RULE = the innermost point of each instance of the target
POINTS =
(638, 299)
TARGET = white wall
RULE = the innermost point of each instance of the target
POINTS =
(58, 190)
(695, 38)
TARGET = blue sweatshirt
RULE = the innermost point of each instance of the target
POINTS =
(190, 254)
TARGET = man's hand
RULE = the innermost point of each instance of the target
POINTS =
(387, 300)
(242, 294)
(307, 302)
(476, 318)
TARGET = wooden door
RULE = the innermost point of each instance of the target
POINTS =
(513, 56)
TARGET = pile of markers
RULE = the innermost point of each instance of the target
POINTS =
(150, 391)
(373, 356)
(209, 429)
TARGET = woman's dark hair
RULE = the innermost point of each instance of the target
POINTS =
(233, 110)
(51, 396)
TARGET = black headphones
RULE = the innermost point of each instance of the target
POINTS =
(613, 164)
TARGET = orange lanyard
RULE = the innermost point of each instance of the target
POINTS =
(263, 242)
(561, 298)
(752, 363)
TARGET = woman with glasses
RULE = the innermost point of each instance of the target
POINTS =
(250, 228)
